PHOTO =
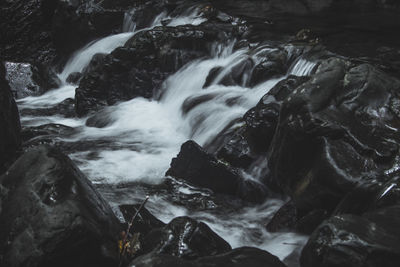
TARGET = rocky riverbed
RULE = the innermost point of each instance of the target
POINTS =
(265, 133)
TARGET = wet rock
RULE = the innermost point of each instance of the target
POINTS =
(52, 215)
(10, 128)
(284, 218)
(237, 150)
(351, 240)
(74, 78)
(49, 131)
(185, 238)
(144, 223)
(261, 64)
(288, 218)
(335, 131)
(140, 67)
(101, 119)
(65, 108)
(244, 256)
(271, 63)
(28, 80)
(253, 139)
(47, 31)
(196, 166)
(238, 74)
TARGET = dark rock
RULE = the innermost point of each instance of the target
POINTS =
(261, 124)
(237, 150)
(52, 215)
(74, 78)
(140, 67)
(144, 223)
(65, 108)
(271, 63)
(49, 131)
(185, 238)
(101, 119)
(196, 166)
(10, 128)
(288, 218)
(244, 256)
(261, 64)
(351, 240)
(284, 88)
(47, 31)
(253, 139)
(284, 218)
(335, 131)
(238, 74)
(308, 223)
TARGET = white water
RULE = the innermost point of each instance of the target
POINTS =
(103, 46)
(144, 135)
(302, 67)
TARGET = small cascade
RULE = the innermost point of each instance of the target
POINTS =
(129, 24)
(302, 67)
(83, 57)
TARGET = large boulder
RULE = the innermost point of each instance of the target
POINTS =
(200, 168)
(144, 62)
(51, 215)
(351, 240)
(244, 256)
(335, 131)
(10, 128)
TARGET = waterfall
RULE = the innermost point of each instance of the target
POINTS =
(143, 135)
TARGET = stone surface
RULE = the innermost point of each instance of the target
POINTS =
(146, 60)
(334, 131)
(350, 240)
(10, 128)
(196, 166)
(52, 215)
(236, 258)
(28, 80)
(185, 238)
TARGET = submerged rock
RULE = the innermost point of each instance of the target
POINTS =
(10, 128)
(33, 136)
(52, 215)
(65, 108)
(196, 166)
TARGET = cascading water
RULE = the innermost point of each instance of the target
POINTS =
(139, 148)
(302, 67)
